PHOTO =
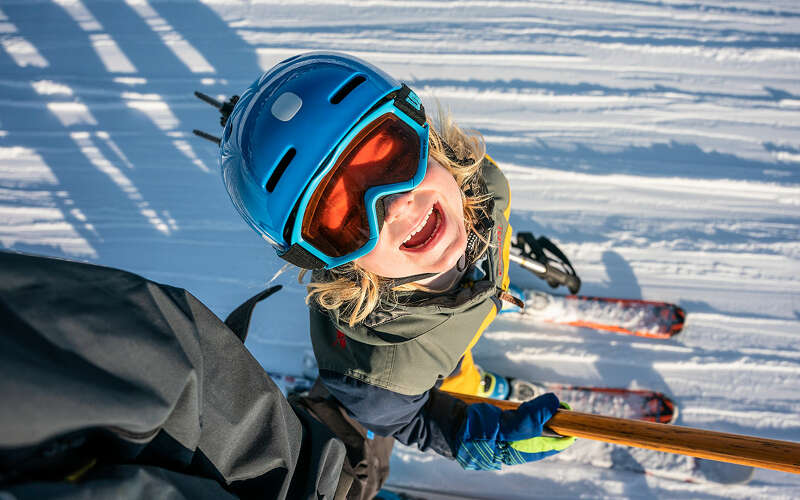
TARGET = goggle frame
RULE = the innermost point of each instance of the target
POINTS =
(373, 194)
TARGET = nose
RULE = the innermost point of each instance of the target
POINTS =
(395, 205)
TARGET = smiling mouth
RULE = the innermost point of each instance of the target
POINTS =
(426, 232)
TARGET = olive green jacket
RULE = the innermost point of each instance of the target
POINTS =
(406, 347)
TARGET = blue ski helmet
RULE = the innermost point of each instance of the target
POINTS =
(288, 128)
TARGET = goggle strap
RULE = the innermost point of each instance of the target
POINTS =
(394, 282)
(407, 101)
(301, 257)
(380, 213)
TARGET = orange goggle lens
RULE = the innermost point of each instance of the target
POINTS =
(386, 151)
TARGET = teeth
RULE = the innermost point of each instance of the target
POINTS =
(419, 228)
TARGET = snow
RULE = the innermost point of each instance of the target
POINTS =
(656, 141)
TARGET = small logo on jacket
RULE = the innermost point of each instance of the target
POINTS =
(341, 339)
(500, 245)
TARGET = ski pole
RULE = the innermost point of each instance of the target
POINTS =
(533, 266)
(724, 447)
(554, 275)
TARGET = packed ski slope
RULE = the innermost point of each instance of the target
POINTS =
(657, 141)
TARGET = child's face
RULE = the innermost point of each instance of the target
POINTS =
(409, 243)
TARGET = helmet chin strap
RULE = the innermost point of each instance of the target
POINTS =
(460, 267)
(393, 282)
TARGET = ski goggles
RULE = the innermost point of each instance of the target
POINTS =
(340, 214)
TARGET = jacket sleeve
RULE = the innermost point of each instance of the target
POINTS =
(430, 420)
(122, 482)
(104, 366)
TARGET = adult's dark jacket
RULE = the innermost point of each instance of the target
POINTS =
(114, 386)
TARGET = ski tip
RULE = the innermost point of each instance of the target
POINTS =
(673, 410)
(670, 413)
(680, 318)
(660, 409)
(671, 321)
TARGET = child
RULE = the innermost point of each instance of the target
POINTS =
(405, 227)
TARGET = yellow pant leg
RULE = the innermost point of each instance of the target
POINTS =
(467, 380)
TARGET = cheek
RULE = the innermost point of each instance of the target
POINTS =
(382, 259)
(458, 201)
(454, 195)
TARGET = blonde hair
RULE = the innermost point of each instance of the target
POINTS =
(356, 292)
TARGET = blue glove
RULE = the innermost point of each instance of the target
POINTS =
(491, 437)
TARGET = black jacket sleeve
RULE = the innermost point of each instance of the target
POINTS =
(431, 420)
(118, 380)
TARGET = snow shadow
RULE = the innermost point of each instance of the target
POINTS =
(662, 159)
(718, 9)
(621, 282)
(110, 114)
(557, 89)
(621, 278)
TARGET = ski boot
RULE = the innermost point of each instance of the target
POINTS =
(522, 390)
(493, 386)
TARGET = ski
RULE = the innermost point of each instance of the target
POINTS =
(642, 318)
(650, 406)
(658, 464)
(647, 405)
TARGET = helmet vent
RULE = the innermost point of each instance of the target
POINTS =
(288, 156)
(348, 87)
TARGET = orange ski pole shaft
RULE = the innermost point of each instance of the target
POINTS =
(734, 448)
